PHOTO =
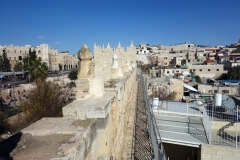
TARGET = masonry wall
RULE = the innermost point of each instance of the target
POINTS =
(211, 152)
(104, 56)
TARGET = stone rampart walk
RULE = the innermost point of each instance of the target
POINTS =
(128, 136)
(137, 144)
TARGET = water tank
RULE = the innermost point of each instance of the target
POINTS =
(155, 103)
(217, 99)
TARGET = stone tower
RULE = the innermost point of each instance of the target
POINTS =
(86, 69)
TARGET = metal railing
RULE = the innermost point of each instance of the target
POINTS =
(157, 144)
(184, 109)
(207, 124)
(224, 125)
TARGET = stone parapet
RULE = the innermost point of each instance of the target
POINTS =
(90, 129)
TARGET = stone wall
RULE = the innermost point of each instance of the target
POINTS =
(90, 129)
(211, 152)
(104, 56)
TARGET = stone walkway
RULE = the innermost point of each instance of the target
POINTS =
(127, 145)
(137, 144)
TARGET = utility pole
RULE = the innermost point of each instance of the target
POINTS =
(14, 94)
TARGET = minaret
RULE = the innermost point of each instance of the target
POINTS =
(131, 45)
(119, 45)
(115, 61)
(108, 46)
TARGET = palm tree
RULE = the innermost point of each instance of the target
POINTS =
(38, 69)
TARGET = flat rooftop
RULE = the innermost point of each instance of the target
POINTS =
(185, 131)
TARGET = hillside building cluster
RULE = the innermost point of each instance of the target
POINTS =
(187, 58)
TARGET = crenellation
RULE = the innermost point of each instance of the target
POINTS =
(104, 59)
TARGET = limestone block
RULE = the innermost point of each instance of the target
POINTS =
(133, 64)
(114, 72)
(119, 72)
(96, 87)
(125, 69)
(74, 110)
(129, 68)
(85, 69)
(60, 158)
(83, 89)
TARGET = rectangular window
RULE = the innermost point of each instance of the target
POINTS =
(225, 91)
(167, 71)
(14, 58)
(217, 69)
(200, 70)
(209, 69)
(193, 70)
(9, 58)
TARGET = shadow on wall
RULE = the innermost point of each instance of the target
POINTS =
(8, 145)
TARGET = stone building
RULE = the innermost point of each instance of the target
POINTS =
(48, 55)
(13, 52)
(66, 60)
(44, 51)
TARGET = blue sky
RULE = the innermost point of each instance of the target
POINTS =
(68, 24)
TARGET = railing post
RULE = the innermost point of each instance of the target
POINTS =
(237, 129)
(187, 108)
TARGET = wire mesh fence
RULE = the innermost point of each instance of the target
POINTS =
(224, 125)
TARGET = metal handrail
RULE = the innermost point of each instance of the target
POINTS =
(157, 144)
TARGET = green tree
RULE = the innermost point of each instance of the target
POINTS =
(29, 58)
(0, 63)
(6, 67)
(233, 73)
(72, 75)
(4, 126)
(45, 100)
(198, 79)
(18, 67)
(38, 69)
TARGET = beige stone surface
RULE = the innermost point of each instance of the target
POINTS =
(39, 147)
(96, 87)
(177, 86)
(212, 152)
(82, 89)
(95, 128)
(85, 65)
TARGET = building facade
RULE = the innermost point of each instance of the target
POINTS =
(50, 56)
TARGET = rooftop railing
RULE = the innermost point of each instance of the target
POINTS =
(157, 144)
